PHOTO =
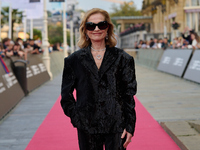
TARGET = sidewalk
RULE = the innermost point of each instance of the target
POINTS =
(19, 126)
(174, 103)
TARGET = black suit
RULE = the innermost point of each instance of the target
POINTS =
(105, 102)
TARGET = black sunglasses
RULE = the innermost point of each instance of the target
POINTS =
(101, 25)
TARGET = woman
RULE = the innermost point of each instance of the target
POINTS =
(195, 40)
(104, 79)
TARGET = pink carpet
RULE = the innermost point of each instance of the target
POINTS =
(57, 133)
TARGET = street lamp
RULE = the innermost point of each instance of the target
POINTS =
(45, 45)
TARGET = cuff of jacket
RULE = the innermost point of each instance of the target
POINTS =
(130, 129)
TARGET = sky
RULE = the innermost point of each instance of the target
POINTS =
(87, 4)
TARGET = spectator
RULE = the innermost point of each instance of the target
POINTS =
(144, 45)
(20, 42)
(195, 40)
(185, 44)
(2, 51)
(56, 47)
(27, 47)
(136, 45)
(160, 41)
(147, 44)
(151, 43)
(36, 48)
(165, 43)
(9, 51)
(140, 44)
(6, 43)
(188, 38)
(155, 46)
(17, 51)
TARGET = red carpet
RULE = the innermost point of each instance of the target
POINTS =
(57, 133)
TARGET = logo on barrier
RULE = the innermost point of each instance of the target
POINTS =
(2, 88)
(35, 70)
(9, 79)
(178, 62)
(166, 60)
(195, 65)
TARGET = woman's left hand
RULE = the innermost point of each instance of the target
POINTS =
(128, 137)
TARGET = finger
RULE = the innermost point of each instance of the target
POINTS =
(128, 140)
(123, 134)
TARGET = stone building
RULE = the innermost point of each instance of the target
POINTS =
(162, 18)
(166, 13)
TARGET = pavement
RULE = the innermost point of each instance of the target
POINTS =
(172, 101)
(19, 126)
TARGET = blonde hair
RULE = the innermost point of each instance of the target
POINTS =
(83, 43)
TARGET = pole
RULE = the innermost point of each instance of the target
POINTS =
(31, 28)
(10, 22)
(71, 36)
(46, 58)
(24, 25)
(64, 31)
(0, 21)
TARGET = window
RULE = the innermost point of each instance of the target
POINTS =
(187, 3)
(188, 19)
(195, 2)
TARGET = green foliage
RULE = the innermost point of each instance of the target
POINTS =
(16, 16)
(124, 10)
(36, 34)
(55, 34)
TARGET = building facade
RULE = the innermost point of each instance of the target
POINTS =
(166, 13)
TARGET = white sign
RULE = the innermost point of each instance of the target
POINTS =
(166, 60)
(9, 79)
(195, 65)
(35, 70)
(178, 62)
(2, 88)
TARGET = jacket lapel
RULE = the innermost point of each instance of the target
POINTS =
(88, 61)
(110, 56)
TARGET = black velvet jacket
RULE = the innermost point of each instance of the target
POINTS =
(104, 102)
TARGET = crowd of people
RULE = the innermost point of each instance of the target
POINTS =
(9, 48)
(190, 41)
(20, 48)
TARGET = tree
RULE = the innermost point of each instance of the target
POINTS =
(36, 34)
(55, 34)
(16, 17)
(124, 9)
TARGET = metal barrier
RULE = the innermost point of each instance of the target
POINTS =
(10, 90)
(149, 57)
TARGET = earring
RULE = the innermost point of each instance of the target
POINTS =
(107, 36)
(87, 38)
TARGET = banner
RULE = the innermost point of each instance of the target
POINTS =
(56, 0)
(21, 4)
(35, 13)
(36, 72)
(32, 1)
(193, 71)
(10, 90)
(174, 61)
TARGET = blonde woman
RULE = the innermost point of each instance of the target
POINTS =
(104, 79)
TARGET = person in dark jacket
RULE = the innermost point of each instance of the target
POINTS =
(188, 38)
(105, 83)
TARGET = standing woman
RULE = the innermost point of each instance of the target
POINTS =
(104, 79)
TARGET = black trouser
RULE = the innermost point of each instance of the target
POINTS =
(111, 141)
